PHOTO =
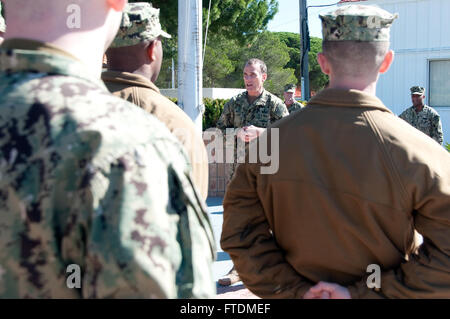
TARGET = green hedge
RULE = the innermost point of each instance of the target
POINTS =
(447, 146)
(213, 109)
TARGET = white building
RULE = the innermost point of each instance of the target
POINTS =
(211, 93)
(420, 38)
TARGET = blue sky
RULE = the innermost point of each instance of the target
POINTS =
(287, 18)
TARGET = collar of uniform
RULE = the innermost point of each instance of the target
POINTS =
(425, 108)
(18, 55)
(128, 79)
(260, 100)
(347, 98)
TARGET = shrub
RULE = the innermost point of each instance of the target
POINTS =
(213, 110)
(447, 146)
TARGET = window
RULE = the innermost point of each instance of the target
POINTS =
(439, 83)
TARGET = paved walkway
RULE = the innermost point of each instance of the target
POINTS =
(223, 263)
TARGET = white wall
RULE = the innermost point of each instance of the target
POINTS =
(420, 34)
(212, 93)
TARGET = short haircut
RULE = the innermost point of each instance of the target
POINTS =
(355, 58)
(128, 58)
(261, 63)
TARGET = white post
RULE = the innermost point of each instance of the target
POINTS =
(173, 74)
(190, 77)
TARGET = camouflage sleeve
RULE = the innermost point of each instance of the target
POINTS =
(278, 111)
(226, 118)
(149, 235)
(436, 131)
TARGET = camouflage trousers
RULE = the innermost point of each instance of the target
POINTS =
(238, 157)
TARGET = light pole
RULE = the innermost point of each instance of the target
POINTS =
(190, 77)
(304, 62)
(305, 42)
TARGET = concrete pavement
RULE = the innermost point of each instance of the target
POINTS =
(223, 263)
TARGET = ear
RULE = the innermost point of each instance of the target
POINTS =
(117, 5)
(151, 51)
(323, 62)
(264, 77)
(387, 62)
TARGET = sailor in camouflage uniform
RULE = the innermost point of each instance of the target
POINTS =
(87, 178)
(423, 117)
(251, 112)
(291, 104)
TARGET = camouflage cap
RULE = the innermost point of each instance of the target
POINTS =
(417, 90)
(2, 21)
(140, 22)
(289, 88)
(357, 23)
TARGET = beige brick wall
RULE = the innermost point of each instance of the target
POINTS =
(217, 178)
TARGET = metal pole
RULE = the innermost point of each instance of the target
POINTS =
(190, 77)
(173, 74)
(304, 33)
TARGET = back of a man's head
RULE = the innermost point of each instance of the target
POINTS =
(50, 20)
(129, 58)
(137, 46)
(355, 58)
(356, 40)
